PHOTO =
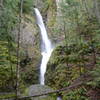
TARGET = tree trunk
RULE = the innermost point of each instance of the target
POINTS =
(1, 3)
(96, 9)
(18, 49)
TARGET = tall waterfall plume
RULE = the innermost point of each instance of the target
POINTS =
(47, 47)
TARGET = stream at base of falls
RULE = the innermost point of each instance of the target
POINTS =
(59, 98)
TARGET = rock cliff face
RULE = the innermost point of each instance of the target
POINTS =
(51, 13)
(30, 39)
(30, 50)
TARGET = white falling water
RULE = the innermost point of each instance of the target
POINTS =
(46, 46)
(59, 98)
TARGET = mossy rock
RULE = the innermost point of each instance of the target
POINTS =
(37, 90)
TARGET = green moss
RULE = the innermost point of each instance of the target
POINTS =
(65, 65)
(7, 96)
(78, 94)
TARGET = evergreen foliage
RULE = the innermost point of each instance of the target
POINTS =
(28, 6)
(8, 20)
(78, 53)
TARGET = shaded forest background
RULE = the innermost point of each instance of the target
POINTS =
(74, 28)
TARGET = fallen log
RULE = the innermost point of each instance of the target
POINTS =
(76, 83)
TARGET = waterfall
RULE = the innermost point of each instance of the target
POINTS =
(47, 47)
(59, 98)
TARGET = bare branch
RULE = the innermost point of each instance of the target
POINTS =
(77, 83)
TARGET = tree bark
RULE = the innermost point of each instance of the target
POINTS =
(96, 9)
(1, 3)
(18, 49)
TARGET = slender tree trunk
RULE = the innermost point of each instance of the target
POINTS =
(9, 53)
(18, 49)
(1, 3)
(96, 9)
(79, 34)
(87, 9)
(93, 53)
(94, 56)
(64, 30)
